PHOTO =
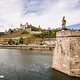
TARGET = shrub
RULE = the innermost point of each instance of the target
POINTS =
(30, 48)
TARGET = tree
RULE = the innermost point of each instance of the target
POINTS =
(21, 40)
(10, 41)
(54, 33)
(50, 33)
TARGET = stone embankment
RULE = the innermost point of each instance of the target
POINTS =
(28, 47)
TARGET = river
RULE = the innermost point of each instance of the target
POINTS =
(29, 65)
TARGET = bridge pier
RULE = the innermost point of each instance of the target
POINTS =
(66, 55)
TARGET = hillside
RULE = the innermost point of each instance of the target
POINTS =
(29, 31)
(15, 34)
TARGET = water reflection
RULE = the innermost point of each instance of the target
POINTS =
(29, 65)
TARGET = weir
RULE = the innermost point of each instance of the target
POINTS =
(66, 55)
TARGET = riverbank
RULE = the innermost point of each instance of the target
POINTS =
(28, 47)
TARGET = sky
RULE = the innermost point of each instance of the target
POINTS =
(46, 13)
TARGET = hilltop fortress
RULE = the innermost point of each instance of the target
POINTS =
(26, 27)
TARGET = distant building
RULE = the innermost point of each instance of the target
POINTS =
(25, 27)
(35, 32)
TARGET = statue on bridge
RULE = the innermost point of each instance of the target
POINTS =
(64, 23)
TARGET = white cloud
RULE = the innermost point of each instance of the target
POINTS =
(47, 13)
(52, 15)
(10, 12)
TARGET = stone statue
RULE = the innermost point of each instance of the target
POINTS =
(63, 23)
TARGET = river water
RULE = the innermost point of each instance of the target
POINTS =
(29, 65)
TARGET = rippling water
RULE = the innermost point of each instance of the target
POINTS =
(28, 65)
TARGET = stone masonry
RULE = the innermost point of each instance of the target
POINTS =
(66, 56)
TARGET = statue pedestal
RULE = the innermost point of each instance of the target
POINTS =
(66, 55)
(64, 28)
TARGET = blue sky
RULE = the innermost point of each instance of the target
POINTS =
(47, 13)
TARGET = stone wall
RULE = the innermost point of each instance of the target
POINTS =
(66, 56)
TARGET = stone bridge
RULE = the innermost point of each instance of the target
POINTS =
(66, 56)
